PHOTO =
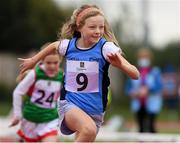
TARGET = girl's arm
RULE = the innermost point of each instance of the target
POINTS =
(31, 62)
(21, 90)
(120, 62)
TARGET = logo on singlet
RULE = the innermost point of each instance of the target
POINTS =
(81, 64)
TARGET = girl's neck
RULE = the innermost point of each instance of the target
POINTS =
(83, 43)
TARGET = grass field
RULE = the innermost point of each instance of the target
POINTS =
(168, 121)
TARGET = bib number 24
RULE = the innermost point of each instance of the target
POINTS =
(43, 98)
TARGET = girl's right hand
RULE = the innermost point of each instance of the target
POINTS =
(26, 64)
(143, 91)
(15, 121)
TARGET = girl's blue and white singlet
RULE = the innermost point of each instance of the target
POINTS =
(86, 77)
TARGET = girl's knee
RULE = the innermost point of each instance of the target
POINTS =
(89, 131)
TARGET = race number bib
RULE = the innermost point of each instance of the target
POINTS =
(44, 99)
(82, 76)
(45, 93)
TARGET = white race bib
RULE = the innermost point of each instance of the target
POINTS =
(82, 76)
(45, 93)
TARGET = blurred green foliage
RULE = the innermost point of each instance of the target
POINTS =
(5, 92)
(161, 57)
(28, 24)
(170, 55)
(5, 108)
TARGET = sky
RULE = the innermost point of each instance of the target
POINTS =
(162, 16)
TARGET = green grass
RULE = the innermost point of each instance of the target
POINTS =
(165, 115)
(127, 114)
(174, 131)
(169, 115)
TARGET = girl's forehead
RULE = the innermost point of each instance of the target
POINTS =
(51, 57)
(95, 19)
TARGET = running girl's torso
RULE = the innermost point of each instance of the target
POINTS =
(86, 78)
(40, 102)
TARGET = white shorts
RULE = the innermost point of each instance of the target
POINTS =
(64, 106)
(32, 132)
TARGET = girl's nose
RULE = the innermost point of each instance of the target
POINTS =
(97, 30)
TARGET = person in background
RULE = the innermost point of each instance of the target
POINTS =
(146, 92)
(170, 87)
(35, 101)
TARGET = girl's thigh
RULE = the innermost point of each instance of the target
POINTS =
(77, 120)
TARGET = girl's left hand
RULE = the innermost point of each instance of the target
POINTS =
(26, 64)
(115, 59)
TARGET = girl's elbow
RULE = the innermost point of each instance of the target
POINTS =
(52, 47)
(55, 44)
(135, 76)
(135, 73)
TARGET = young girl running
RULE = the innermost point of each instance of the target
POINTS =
(34, 101)
(88, 46)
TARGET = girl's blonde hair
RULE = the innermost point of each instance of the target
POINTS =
(70, 28)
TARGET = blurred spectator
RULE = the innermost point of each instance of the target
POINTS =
(146, 93)
(170, 87)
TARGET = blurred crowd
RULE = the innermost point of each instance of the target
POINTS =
(155, 89)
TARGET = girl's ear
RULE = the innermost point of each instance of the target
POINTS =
(78, 28)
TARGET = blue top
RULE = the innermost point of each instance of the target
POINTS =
(86, 77)
(153, 82)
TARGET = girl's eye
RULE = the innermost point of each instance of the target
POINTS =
(55, 63)
(92, 27)
(101, 27)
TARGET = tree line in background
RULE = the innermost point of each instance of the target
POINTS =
(28, 24)
(161, 57)
(25, 26)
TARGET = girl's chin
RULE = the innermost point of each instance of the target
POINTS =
(94, 40)
(51, 74)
